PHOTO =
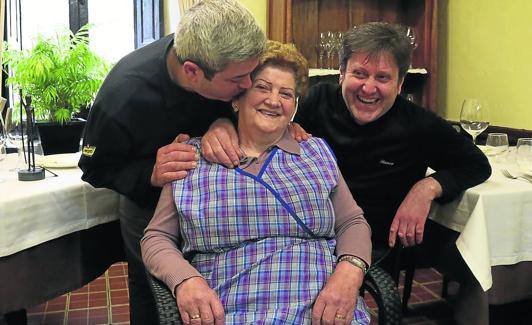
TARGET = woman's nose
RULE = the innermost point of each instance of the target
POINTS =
(273, 100)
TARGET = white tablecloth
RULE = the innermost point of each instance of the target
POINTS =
(35, 212)
(495, 221)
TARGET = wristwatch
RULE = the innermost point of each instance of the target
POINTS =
(355, 261)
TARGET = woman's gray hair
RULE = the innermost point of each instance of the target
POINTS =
(215, 33)
(375, 39)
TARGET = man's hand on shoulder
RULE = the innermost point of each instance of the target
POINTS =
(173, 161)
(220, 144)
(409, 221)
(297, 132)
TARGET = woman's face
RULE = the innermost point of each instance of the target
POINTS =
(268, 106)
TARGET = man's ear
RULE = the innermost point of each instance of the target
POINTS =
(400, 85)
(192, 71)
(342, 76)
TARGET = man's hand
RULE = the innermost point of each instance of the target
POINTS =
(409, 221)
(297, 132)
(197, 303)
(173, 161)
(337, 300)
(220, 144)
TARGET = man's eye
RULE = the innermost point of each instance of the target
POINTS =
(359, 74)
(383, 78)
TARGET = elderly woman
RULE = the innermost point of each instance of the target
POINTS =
(279, 239)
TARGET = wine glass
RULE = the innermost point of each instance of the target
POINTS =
(524, 155)
(412, 35)
(474, 117)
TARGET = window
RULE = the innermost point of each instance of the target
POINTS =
(119, 26)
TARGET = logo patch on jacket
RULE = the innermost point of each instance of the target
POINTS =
(88, 150)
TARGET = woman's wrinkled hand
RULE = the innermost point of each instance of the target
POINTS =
(197, 303)
(337, 300)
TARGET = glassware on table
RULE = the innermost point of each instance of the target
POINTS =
(497, 145)
(524, 155)
(411, 34)
(474, 117)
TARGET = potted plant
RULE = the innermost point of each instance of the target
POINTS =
(62, 75)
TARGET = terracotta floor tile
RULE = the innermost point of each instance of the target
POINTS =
(119, 300)
(118, 293)
(53, 307)
(84, 289)
(120, 310)
(78, 305)
(54, 318)
(123, 318)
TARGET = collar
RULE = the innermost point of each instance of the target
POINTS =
(287, 143)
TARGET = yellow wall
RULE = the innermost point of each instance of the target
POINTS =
(259, 10)
(488, 54)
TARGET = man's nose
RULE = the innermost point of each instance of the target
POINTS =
(370, 86)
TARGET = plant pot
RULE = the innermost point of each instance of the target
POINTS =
(57, 138)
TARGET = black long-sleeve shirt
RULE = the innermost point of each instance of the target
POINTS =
(138, 110)
(383, 159)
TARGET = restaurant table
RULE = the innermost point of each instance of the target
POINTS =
(495, 224)
(56, 234)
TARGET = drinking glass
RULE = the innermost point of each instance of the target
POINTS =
(497, 145)
(524, 155)
(474, 117)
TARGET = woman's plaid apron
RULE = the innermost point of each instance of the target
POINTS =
(240, 231)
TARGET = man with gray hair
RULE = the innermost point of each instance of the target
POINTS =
(179, 84)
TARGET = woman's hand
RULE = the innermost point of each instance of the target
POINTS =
(337, 300)
(220, 144)
(197, 303)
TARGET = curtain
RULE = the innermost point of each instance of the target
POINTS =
(185, 4)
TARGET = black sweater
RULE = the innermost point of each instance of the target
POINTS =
(138, 110)
(383, 159)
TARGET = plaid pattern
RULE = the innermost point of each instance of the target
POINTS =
(264, 266)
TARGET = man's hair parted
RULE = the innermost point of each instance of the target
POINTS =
(215, 33)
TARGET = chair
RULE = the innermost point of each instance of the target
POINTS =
(406, 258)
(377, 283)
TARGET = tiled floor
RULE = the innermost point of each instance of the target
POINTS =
(104, 301)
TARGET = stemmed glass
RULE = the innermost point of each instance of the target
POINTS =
(474, 117)
(524, 155)
(322, 49)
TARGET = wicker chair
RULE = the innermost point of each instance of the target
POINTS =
(378, 283)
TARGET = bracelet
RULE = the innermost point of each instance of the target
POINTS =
(355, 261)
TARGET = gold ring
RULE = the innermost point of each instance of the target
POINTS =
(195, 316)
(340, 317)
